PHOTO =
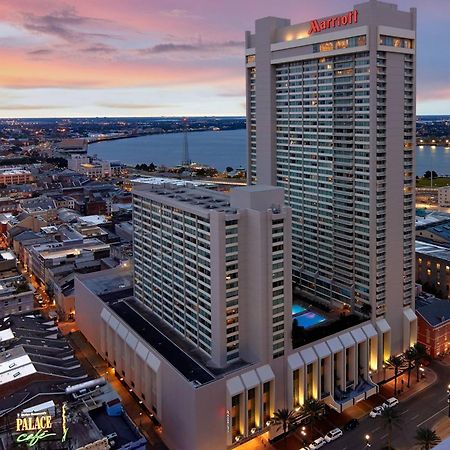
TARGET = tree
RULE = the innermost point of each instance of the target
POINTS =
(410, 356)
(428, 174)
(395, 362)
(391, 419)
(421, 353)
(426, 438)
(284, 419)
(313, 409)
(229, 169)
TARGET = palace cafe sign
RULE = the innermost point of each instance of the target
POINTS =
(33, 427)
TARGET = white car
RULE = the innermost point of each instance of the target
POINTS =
(333, 434)
(390, 403)
(376, 411)
(320, 442)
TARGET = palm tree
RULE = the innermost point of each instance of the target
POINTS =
(284, 419)
(313, 409)
(395, 362)
(410, 356)
(421, 353)
(426, 438)
(391, 418)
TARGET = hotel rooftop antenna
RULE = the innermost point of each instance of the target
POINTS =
(186, 161)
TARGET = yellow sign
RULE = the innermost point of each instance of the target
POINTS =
(33, 422)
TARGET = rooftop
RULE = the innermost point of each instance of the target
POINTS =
(192, 195)
(433, 250)
(434, 310)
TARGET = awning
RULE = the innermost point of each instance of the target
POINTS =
(369, 330)
(265, 373)
(153, 361)
(335, 345)
(294, 361)
(409, 314)
(122, 331)
(113, 322)
(105, 314)
(142, 351)
(347, 340)
(250, 379)
(235, 386)
(383, 326)
(131, 340)
(308, 355)
(358, 335)
(322, 350)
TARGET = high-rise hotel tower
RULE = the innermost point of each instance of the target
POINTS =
(331, 119)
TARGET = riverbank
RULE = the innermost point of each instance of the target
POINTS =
(219, 149)
(155, 133)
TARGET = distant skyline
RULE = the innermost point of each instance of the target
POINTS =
(80, 58)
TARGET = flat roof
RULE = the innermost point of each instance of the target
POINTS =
(186, 365)
(433, 250)
(181, 195)
(435, 311)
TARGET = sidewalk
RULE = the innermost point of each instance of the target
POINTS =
(405, 393)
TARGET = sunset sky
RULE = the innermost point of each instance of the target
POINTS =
(173, 57)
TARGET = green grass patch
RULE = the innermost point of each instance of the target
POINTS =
(437, 182)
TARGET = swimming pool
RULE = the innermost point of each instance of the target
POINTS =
(297, 309)
(308, 319)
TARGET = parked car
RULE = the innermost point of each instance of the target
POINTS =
(351, 424)
(304, 448)
(390, 403)
(333, 434)
(376, 411)
(318, 443)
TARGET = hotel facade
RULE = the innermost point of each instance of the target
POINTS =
(331, 119)
(206, 339)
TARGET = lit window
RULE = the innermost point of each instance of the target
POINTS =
(326, 46)
(343, 43)
(428, 272)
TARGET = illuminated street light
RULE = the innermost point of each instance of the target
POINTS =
(367, 441)
(448, 399)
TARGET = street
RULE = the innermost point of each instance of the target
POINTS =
(423, 410)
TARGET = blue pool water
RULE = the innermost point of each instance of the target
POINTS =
(305, 318)
(297, 309)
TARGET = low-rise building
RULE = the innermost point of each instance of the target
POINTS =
(14, 175)
(433, 268)
(433, 320)
(71, 146)
(444, 196)
(16, 295)
(40, 376)
(40, 258)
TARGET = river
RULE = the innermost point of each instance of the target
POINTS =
(221, 149)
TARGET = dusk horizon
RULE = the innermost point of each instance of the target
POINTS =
(105, 60)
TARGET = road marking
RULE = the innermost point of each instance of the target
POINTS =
(435, 414)
(384, 437)
(376, 429)
(415, 417)
(404, 412)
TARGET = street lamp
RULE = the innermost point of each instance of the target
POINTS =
(303, 433)
(367, 441)
(448, 399)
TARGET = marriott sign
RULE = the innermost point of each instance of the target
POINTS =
(317, 26)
